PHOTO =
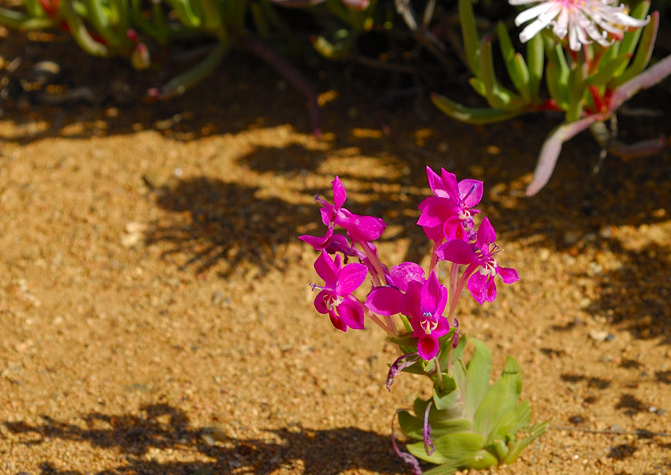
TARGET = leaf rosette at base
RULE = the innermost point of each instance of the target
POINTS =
(468, 423)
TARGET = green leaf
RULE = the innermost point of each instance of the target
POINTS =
(446, 397)
(456, 450)
(501, 398)
(557, 74)
(23, 22)
(517, 446)
(576, 92)
(535, 63)
(478, 371)
(413, 426)
(472, 115)
(470, 35)
(498, 96)
(478, 86)
(445, 350)
(479, 460)
(185, 13)
(643, 52)
(510, 423)
(628, 43)
(607, 71)
(515, 65)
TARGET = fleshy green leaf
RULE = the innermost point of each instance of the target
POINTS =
(471, 115)
(501, 398)
(455, 451)
(444, 398)
(643, 52)
(535, 63)
(608, 71)
(498, 96)
(517, 446)
(628, 43)
(478, 371)
(470, 36)
(413, 426)
(478, 86)
(510, 423)
(576, 92)
(515, 65)
(557, 76)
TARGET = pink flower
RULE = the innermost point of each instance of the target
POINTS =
(583, 21)
(482, 267)
(448, 214)
(359, 228)
(335, 298)
(422, 300)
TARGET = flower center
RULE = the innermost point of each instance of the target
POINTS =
(570, 4)
(428, 324)
(333, 301)
(488, 264)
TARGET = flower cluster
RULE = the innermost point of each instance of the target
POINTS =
(426, 308)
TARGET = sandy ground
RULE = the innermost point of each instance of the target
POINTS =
(155, 309)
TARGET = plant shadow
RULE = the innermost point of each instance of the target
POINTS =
(212, 222)
(162, 427)
(635, 296)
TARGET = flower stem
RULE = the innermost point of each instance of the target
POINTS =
(434, 258)
(388, 327)
(439, 372)
(460, 288)
(375, 262)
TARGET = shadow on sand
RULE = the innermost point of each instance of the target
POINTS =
(316, 452)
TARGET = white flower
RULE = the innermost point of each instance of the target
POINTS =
(582, 20)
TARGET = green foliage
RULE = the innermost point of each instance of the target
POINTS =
(473, 424)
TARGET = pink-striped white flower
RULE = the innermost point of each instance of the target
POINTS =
(583, 21)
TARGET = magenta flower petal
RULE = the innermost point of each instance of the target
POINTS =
(351, 277)
(328, 214)
(411, 302)
(339, 193)
(448, 213)
(482, 287)
(427, 347)
(406, 272)
(457, 251)
(477, 286)
(435, 183)
(321, 302)
(435, 210)
(433, 296)
(384, 301)
(337, 322)
(450, 184)
(486, 233)
(318, 243)
(327, 269)
(508, 274)
(351, 313)
(470, 192)
(360, 228)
